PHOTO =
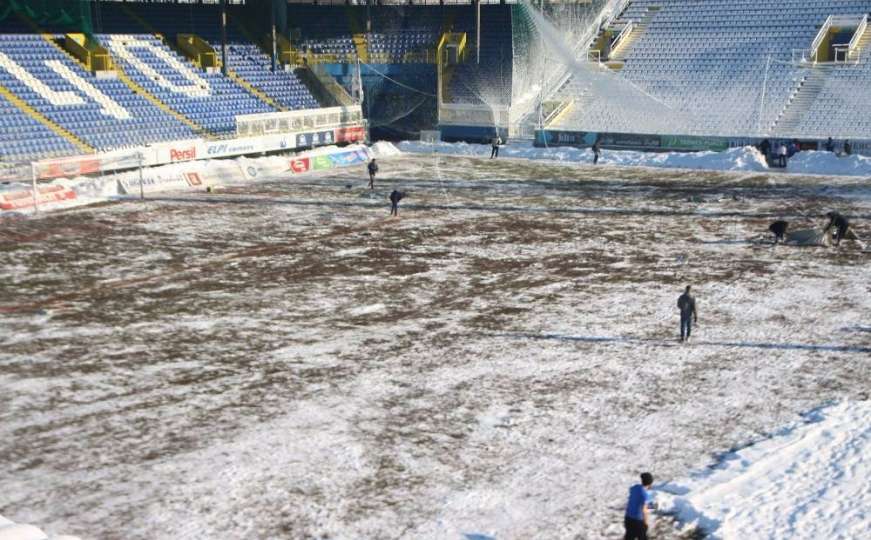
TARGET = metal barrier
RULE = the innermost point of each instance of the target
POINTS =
(561, 108)
(821, 35)
(250, 125)
(463, 114)
(627, 29)
(854, 48)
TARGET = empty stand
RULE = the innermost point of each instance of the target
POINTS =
(22, 137)
(103, 113)
(490, 80)
(729, 66)
(245, 58)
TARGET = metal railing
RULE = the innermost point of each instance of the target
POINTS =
(293, 121)
(627, 30)
(821, 35)
(561, 108)
(854, 48)
(843, 55)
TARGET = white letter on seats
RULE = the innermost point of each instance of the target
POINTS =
(52, 96)
(122, 45)
(109, 106)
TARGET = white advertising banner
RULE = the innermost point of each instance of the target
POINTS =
(189, 177)
(177, 151)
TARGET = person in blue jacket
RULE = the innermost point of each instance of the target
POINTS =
(637, 508)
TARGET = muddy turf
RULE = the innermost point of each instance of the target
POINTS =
(283, 360)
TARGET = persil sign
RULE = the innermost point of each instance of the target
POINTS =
(183, 154)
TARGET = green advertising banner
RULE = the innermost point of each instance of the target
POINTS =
(320, 163)
(689, 142)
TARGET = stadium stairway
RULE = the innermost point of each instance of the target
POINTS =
(358, 35)
(618, 52)
(235, 23)
(802, 99)
(862, 47)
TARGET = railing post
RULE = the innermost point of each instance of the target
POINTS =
(35, 192)
(141, 182)
(224, 37)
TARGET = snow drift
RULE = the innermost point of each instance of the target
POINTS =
(9, 530)
(810, 480)
(746, 159)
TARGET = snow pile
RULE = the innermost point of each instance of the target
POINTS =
(188, 176)
(810, 480)
(383, 149)
(829, 163)
(9, 530)
(746, 158)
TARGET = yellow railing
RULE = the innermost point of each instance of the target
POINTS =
(89, 52)
(198, 51)
(361, 44)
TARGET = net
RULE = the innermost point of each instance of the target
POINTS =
(53, 15)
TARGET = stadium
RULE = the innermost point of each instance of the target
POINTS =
(213, 328)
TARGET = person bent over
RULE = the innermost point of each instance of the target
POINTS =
(635, 521)
(840, 223)
(686, 303)
(778, 229)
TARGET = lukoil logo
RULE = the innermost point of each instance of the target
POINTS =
(182, 155)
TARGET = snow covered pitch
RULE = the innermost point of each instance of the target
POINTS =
(281, 360)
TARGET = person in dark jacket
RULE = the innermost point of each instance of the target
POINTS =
(686, 303)
(848, 148)
(373, 169)
(765, 147)
(635, 519)
(778, 229)
(597, 149)
(830, 145)
(494, 144)
(395, 197)
(840, 223)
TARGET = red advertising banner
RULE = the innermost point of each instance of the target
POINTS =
(68, 168)
(14, 200)
(300, 165)
(350, 134)
(193, 179)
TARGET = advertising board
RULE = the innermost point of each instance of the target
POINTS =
(46, 195)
